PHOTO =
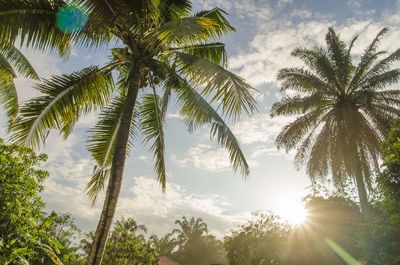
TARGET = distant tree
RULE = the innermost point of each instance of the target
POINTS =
(263, 240)
(23, 226)
(195, 245)
(334, 218)
(380, 238)
(346, 110)
(127, 245)
(165, 245)
(189, 230)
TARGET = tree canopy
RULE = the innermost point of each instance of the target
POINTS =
(345, 110)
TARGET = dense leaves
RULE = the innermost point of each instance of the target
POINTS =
(380, 239)
(344, 110)
(23, 226)
(156, 41)
(263, 240)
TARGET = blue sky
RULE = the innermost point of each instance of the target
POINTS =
(200, 179)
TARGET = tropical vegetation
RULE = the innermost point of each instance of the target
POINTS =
(346, 131)
(345, 110)
(161, 51)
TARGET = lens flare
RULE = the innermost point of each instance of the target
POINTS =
(71, 19)
(291, 210)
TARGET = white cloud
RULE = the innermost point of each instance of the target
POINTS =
(205, 157)
(249, 9)
(301, 13)
(282, 3)
(260, 129)
(148, 205)
(354, 4)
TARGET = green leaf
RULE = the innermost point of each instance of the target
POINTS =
(65, 98)
(152, 125)
(196, 112)
(231, 91)
(101, 144)
(18, 61)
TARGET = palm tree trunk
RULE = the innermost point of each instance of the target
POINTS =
(117, 169)
(362, 191)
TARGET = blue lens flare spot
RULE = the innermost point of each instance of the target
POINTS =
(71, 19)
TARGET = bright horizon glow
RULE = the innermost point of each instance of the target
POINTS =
(291, 211)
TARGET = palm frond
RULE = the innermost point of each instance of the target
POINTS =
(214, 52)
(317, 166)
(298, 105)
(18, 61)
(302, 80)
(231, 91)
(102, 136)
(319, 62)
(367, 59)
(152, 127)
(339, 55)
(34, 22)
(65, 98)
(196, 112)
(381, 81)
(101, 144)
(292, 133)
(218, 15)
(186, 31)
(8, 91)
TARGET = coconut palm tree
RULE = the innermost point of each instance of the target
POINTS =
(345, 110)
(162, 53)
(12, 64)
(189, 230)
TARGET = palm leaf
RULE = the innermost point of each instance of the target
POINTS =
(340, 56)
(231, 91)
(196, 112)
(8, 91)
(302, 80)
(18, 61)
(318, 61)
(101, 144)
(64, 99)
(185, 31)
(152, 127)
(214, 52)
(34, 22)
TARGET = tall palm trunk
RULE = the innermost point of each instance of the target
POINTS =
(362, 191)
(117, 169)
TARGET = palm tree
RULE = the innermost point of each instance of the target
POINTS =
(345, 110)
(12, 63)
(162, 53)
(189, 230)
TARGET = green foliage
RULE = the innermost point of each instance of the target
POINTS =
(12, 63)
(194, 244)
(345, 111)
(164, 42)
(23, 227)
(263, 240)
(159, 41)
(380, 238)
(126, 245)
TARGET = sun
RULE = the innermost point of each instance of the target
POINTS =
(292, 211)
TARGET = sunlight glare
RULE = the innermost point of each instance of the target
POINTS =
(292, 211)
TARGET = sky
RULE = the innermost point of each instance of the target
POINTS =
(201, 181)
